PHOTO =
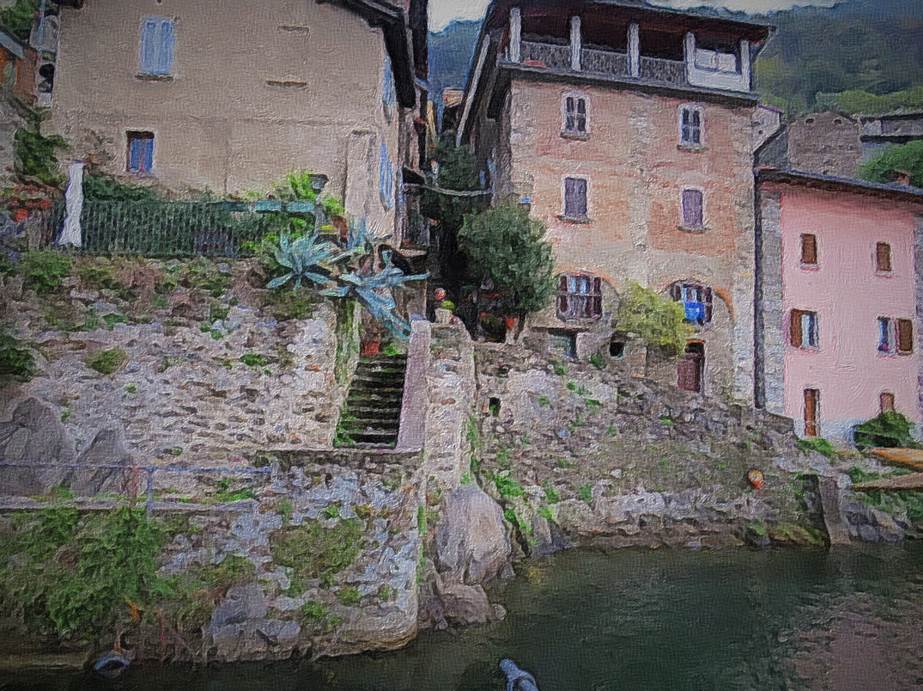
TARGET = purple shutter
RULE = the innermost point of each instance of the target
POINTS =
(692, 208)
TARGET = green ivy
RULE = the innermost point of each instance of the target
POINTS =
(36, 154)
(889, 430)
(107, 361)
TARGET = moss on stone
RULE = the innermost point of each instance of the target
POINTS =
(107, 361)
(312, 550)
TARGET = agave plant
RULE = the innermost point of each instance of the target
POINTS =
(306, 258)
(374, 293)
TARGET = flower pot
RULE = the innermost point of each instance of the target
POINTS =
(510, 322)
(20, 215)
(443, 316)
(370, 348)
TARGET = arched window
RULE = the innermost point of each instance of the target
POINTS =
(579, 297)
(696, 299)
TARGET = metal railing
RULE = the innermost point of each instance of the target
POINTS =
(120, 483)
(177, 228)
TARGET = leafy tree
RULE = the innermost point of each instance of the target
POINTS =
(908, 157)
(18, 18)
(458, 170)
(508, 247)
(656, 319)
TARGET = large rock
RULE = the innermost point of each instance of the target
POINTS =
(464, 604)
(108, 450)
(472, 545)
(34, 434)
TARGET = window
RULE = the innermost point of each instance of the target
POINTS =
(157, 41)
(616, 348)
(809, 250)
(563, 343)
(811, 412)
(803, 329)
(388, 91)
(696, 299)
(575, 115)
(140, 159)
(883, 257)
(579, 297)
(895, 335)
(575, 198)
(385, 177)
(693, 216)
(690, 126)
(886, 402)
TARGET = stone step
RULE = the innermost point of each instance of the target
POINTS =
(369, 399)
(381, 372)
(377, 377)
(373, 421)
(372, 445)
(376, 389)
(360, 410)
(402, 357)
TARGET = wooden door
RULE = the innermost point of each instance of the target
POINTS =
(690, 367)
(811, 405)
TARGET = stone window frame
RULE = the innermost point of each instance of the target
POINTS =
(682, 210)
(689, 145)
(575, 133)
(575, 219)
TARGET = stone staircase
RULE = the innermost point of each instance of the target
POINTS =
(372, 414)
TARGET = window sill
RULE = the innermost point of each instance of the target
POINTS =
(692, 148)
(287, 84)
(579, 321)
(135, 175)
(884, 274)
(695, 230)
(807, 349)
(894, 354)
(809, 267)
(576, 136)
(154, 77)
(580, 220)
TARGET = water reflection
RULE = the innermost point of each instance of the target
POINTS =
(851, 619)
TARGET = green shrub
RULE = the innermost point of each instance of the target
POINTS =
(349, 596)
(18, 18)
(907, 157)
(315, 551)
(585, 492)
(36, 154)
(818, 444)
(656, 319)
(99, 187)
(507, 486)
(44, 271)
(506, 246)
(107, 361)
(888, 430)
(16, 360)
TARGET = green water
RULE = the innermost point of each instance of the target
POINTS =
(850, 619)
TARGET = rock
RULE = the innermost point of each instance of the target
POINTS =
(472, 544)
(242, 603)
(107, 449)
(464, 604)
(34, 434)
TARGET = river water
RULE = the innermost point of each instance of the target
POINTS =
(848, 619)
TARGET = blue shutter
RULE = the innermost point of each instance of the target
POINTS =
(147, 149)
(148, 54)
(134, 155)
(385, 177)
(167, 40)
(388, 93)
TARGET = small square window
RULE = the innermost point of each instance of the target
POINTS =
(575, 115)
(809, 250)
(883, 257)
(140, 159)
(575, 198)
(693, 213)
(803, 330)
(690, 126)
(886, 402)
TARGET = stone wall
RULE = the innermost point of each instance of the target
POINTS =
(583, 456)
(212, 368)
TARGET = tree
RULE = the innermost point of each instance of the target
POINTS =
(506, 246)
(656, 319)
(458, 170)
(908, 157)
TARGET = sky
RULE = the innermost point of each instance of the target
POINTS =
(441, 12)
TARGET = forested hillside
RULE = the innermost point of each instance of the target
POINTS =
(849, 56)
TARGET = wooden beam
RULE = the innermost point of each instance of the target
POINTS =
(906, 458)
(901, 483)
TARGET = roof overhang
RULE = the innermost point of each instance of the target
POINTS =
(11, 44)
(393, 23)
(838, 184)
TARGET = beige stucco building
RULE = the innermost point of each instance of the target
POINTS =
(627, 129)
(230, 96)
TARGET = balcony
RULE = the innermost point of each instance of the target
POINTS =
(629, 52)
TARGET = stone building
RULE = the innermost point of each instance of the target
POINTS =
(838, 301)
(627, 129)
(192, 96)
(826, 143)
(881, 131)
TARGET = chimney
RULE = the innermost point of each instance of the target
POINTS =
(902, 177)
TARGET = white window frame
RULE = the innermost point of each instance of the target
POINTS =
(589, 208)
(586, 100)
(682, 214)
(692, 107)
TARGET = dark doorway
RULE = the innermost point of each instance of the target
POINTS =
(691, 367)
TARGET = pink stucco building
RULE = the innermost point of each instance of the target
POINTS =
(838, 300)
